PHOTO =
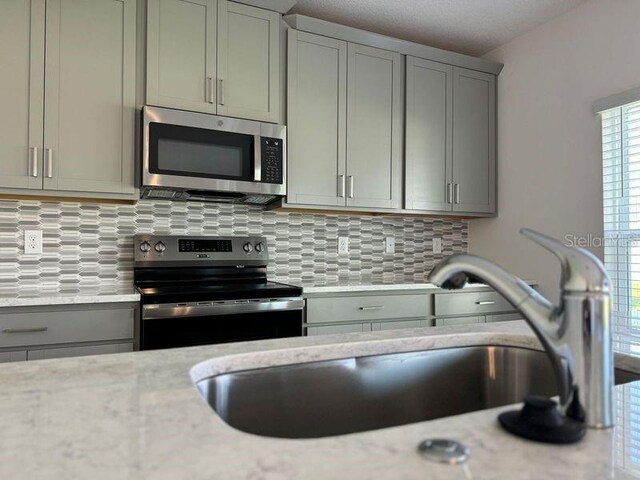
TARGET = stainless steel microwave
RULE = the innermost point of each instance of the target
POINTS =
(197, 156)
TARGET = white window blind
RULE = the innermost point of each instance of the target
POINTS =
(621, 198)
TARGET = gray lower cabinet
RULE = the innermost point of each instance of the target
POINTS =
(445, 322)
(344, 124)
(398, 325)
(450, 138)
(214, 56)
(67, 123)
(32, 333)
(336, 329)
(79, 351)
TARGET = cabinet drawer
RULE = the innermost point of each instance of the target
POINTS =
(332, 329)
(349, 309)
(504, 317)
(470, 303)
(446, 322)
(51, 327)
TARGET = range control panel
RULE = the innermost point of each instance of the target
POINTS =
(272, 159)
(236, 251)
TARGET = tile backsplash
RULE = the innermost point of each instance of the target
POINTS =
(90, 246)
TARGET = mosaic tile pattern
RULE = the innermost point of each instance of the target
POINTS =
(91, 245)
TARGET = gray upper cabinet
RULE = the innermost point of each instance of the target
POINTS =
(428, 141)
(181, 54)
(450, 138)
(21, 95)
(474, 141)
(248, 62)
(317, 86)
(344, 124)
(90, 96)
(374, 128)
(214, 56)
(68, 97)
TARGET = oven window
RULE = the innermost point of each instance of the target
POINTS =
(199, 152)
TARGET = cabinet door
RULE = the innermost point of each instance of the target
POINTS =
(474, 141)
(181, 54)
(21, 95)
(15, 356)
(317, 92)
(90, 95)
(248, 62)
(446, 322)
(428, 135)
(335, 329)
(78, 351)
(396, 325)
(374, 128)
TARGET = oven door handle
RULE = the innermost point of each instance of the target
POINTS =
(152, 312)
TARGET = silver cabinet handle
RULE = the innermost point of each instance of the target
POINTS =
(485, 302)
(341, 186)
(449, 192)
(456, 192)
(220, 91)
(257, 158)
(48, 167)
(350, 185)
(33, 160)
(210, 90)
(25, 330)
(372, 307)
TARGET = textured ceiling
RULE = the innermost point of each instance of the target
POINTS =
(474, 27)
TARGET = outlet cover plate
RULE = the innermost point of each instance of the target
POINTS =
(32, 242)
(389, 245)
(343, 245)
(437, 245)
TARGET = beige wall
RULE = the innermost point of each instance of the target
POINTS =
(549, 163)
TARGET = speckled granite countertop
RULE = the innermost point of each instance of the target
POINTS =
(113, 294)
(139, 416)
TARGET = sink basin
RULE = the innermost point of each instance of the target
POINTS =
(337, 397)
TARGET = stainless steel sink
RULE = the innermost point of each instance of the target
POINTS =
(350, 395)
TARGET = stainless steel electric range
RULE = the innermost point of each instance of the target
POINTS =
(205, 290)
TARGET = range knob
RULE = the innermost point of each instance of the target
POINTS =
(160, 247)
(247, 247)
(145, 246)
(259, 247)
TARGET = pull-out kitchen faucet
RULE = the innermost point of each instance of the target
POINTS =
(576, 334)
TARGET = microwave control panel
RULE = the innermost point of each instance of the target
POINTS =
(272, 160)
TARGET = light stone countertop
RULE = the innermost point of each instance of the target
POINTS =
(139, 416)
(113, 294)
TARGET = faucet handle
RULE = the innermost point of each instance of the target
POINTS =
(582, 271)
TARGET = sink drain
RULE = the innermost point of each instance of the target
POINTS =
(444, 451)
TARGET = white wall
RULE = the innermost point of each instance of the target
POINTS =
(549, 163)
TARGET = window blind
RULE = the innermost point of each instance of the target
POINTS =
(621, 201)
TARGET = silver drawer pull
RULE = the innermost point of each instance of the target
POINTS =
(485, 302)
(25, 330)
(373, 307)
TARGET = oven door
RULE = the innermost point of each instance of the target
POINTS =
(201, 152)
(171, 325)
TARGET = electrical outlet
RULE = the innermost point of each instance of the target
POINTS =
(343, 245)
(389, 245)
(437, 245)
(32, 242)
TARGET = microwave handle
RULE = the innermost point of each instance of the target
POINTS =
(257, 158)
